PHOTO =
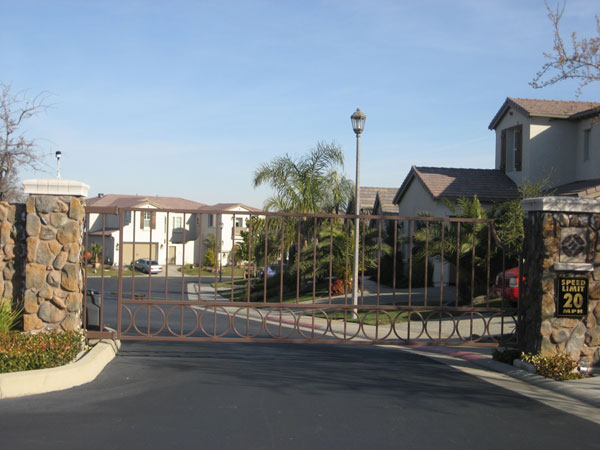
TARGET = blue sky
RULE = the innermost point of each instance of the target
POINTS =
(187, 98)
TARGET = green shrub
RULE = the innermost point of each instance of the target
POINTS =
(209, 258)
(9, 316)
(506, 355)
(557, 367)
(23, 351)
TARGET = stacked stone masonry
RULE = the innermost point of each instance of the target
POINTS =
(53, 280)
(540, 330)
(12, 223)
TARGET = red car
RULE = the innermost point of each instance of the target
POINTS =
(509, 280)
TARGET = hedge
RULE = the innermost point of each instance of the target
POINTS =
(23, 351)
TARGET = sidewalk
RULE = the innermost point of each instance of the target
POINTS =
(586, 390)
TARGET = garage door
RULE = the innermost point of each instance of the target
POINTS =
(142, 250)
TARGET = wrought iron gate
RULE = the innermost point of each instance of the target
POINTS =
(285, 277)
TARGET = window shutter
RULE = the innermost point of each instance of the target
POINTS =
(503, 150)
(153, 220)
(141, 220)
(518, 148)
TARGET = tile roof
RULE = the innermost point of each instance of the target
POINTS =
(559, 109)
(584, 188)
(227, 206)
(136, 201)
(385, 200)
(452, 183)
(367, 199)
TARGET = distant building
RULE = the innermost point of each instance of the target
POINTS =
(425, 188)
(372, 198)
(231, 230)
(173, 237)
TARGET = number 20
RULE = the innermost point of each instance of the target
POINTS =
(573, 301)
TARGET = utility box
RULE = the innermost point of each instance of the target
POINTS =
(93, 305)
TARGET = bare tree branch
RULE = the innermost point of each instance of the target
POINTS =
(581, 62)
(16, 150)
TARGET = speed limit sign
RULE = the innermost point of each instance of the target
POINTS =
(572, 297)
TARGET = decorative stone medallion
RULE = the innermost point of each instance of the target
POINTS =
(573, 245)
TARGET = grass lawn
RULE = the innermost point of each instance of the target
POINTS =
(237, 272)
(108, 271)
(257, 296)
(371, 317)
(238, 283)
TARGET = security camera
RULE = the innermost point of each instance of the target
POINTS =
(58, 155)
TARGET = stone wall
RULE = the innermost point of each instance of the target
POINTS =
(53, 280)
(12, 251)
(562, 237)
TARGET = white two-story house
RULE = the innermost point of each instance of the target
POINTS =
(228, 226)
(162, 236)
(172, 236)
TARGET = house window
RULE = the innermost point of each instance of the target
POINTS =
(511, 146)
(239, 222)
(586, 145)
(211, 220)
(146, 219)
(503, 151)
(177, 222)
(517, 150)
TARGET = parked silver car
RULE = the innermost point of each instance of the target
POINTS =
(147, 266)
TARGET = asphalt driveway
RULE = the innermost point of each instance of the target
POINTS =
(269, 396)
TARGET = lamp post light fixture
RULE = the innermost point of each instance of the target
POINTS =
(358, 125)
(58, 156)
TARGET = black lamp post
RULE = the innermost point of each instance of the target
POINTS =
(220, 251)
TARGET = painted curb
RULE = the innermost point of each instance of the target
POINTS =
(19, 384)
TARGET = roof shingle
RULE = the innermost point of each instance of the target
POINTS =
(452, 183)
(368, 194)
(559, 109)
(385, 200)
(135, 201)
(583, 188)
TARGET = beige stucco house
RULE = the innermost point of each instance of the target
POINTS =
(425, 189)
(552, 140)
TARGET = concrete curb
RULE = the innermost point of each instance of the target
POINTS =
(589, 396)
(585, 394)
(19, 384)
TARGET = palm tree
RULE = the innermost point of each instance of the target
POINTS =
(309, 184)
(471, 232)
(454, 246)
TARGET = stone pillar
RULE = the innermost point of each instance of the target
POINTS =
(12, 261)
(562, 238)
(53, 279)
